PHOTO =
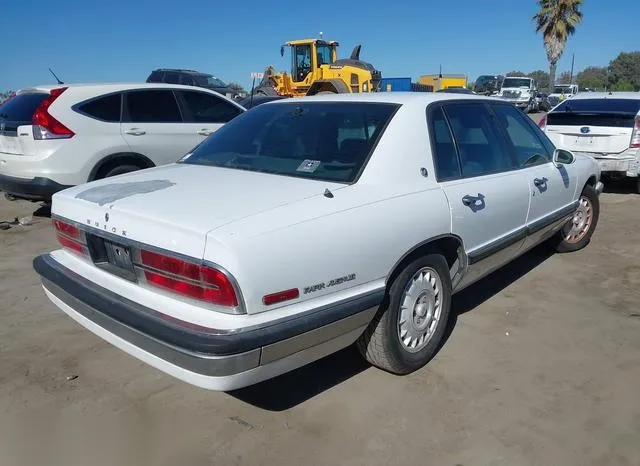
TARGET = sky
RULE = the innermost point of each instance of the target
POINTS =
(117, 40)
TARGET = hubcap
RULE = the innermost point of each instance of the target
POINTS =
(420, 309)
(580, 224)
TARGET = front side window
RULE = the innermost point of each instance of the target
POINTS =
(482, 149)
(323, 141)
(171, 78)
(152, 106)
(527, 146)
(301, 62)
(106, 108)
(206, 108)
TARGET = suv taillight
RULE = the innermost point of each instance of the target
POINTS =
(70, 237)
(542, 124)
(635, 135)
(188, 279)
(44, 125)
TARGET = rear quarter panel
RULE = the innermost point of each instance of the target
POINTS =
(360, 233)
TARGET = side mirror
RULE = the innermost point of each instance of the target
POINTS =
(562, 157)
(282, 51)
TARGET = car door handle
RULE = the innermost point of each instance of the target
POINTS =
(473, 201)
(135, 132)
(204, 132)
(539, 182)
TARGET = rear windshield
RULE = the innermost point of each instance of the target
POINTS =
(628, 106)
(21, 107)
(320, 140)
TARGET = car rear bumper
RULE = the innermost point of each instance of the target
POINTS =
(217, 360)
(34, 189)
(629, 166)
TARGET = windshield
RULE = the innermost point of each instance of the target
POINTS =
(620, 106)
(516, 82)
(561, 89)
(208, 80)
(322, 140)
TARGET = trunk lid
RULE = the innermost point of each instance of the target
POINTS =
(603, 133)
(174, 207)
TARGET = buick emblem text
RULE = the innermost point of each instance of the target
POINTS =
(105, 227)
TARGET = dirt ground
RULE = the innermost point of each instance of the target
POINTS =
(542, 368)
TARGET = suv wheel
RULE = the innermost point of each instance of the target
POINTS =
(410, 325)
(118, 170)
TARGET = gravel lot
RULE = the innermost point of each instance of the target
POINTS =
(542, 368)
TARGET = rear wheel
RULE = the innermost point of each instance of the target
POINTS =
(576, 234)
(410, 325)
(117, 170)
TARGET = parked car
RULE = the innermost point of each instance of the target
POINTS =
(54, 137)
(315, 233)
(603, 125)
(488, 84)
(191, 78)
(457, 90)
(250, 102)
(562, 92)
(542, 102)
(520, 91)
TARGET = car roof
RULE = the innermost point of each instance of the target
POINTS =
(386, 97)
(607, 95)
(111, 86)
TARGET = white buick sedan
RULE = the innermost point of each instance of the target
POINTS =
(305, 225)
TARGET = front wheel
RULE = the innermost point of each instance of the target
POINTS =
(410, 325)
(576, 234)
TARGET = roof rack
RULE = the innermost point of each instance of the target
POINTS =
(177, 69)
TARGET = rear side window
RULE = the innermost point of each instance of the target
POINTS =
(153, 106)
(171, 78)
(107, 108)
(528, 147)
(481, 148)
(21, 107)
(444, 150)
(317, 140)
(187, 80)
(201, 107)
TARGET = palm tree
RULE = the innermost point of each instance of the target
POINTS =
(557, 20)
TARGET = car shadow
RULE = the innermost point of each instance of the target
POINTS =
(624, 186)
(296, 387)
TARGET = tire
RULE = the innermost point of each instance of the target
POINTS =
(325, 92)
(576, 234)
(117, 170)
(381, 343)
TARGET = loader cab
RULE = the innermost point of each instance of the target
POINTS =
(308, 55)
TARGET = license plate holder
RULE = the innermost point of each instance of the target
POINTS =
(111, 256)
(118, 255)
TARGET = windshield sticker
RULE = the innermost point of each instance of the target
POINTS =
(308, 166)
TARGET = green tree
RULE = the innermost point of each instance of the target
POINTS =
(564, 78)
(237, 88)
(625, 68)
(593, 77)
(515, 73)
(557, 20)
(623, 85)
(542, 79)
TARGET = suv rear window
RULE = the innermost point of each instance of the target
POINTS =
(20, 109)
(106, 108)
(320, 140)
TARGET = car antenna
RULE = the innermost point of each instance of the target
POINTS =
(54, 75)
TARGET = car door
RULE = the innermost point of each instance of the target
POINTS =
(205, 112)
(551, 188)
(488, 199)
(152, 125)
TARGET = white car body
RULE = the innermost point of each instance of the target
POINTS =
(522, 96)
(615, 145)
(34, 167)
(336, 244)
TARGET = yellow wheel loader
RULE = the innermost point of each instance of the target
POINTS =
(316, 69)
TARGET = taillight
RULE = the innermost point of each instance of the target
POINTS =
(635, 135)
(188, 279)
(70, 237)
(44, 125)
(280, 296)
(542, 124)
